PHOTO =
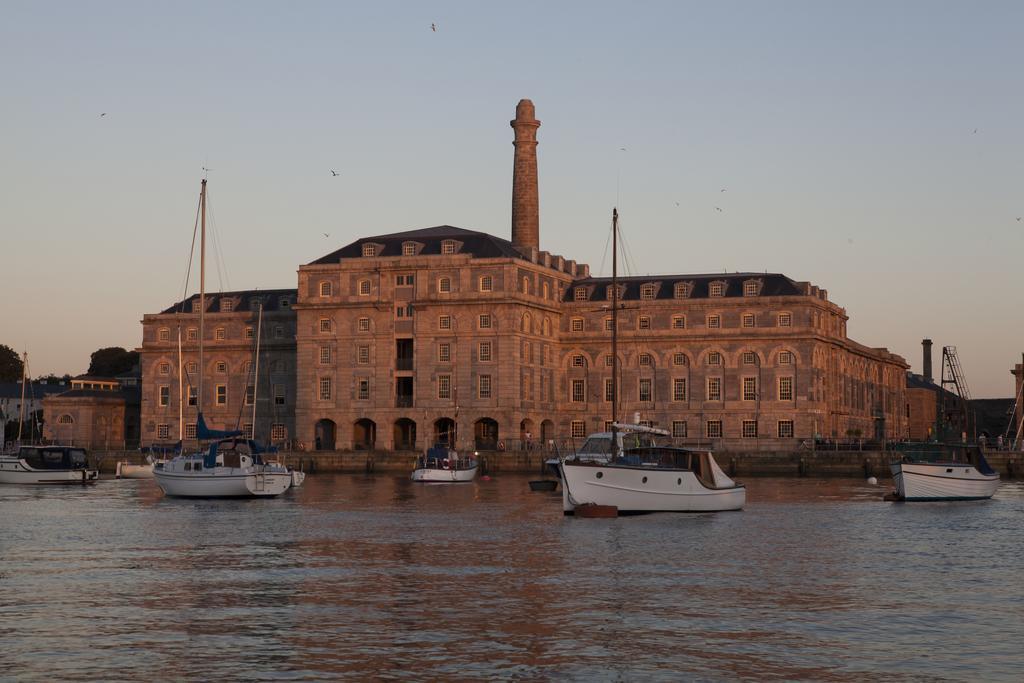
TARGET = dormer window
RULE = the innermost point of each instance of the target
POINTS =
(579, 294)
(325, 288)
(647, 291)
(284, 302)
(681, 290)
(409, 249)
(369, 250)
(195, 306)
(716, 289)
(751, 288)
(615, 292)
(227, 305)
(448, 247)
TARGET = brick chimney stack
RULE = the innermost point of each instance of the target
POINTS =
(525, 200)
(927, 372)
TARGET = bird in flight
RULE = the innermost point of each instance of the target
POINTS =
(433, 27)
(722, 190)
(622, 149)
(1018, 218)
(326, 234)
(103, 114)
(975, 131)
(677, 203)
(718, 208)
(334, 173)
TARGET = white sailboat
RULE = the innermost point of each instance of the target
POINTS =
(442, 464)
(920, 478)
(646, 478)
(232, 467)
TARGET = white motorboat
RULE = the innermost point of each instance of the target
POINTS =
(651, 479)
(127, 470)
(230, 469)
(47, 465)
(441, 464)
(917, 479)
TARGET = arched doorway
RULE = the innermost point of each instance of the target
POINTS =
(444, 431)
(325, 433)
(547, 432)
(364, 434)
(526, 436)
(485, 432)
(405, 435)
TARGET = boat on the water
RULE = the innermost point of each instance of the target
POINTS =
(47, 465)
(961, 474)
(442, 464)
(127, 470)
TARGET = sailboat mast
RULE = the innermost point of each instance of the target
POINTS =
(615, 329)
(202, 290)
(256, 372)
(21, 407)
(181, 399)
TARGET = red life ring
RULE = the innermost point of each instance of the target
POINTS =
(501, 445)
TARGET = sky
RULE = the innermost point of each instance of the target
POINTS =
(872, 148)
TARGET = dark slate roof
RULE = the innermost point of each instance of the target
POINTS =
(775, 284)
(128, 394)
(270, 298)
(33, 390)
(919, 382)
(478, 244)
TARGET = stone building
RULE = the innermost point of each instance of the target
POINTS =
(448, 334)
(97, 412)
(229, 381)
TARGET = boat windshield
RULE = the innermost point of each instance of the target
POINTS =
(597, 445)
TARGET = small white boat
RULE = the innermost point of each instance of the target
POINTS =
(127, 470)
(651, 479)
(225, 471)
(953, 479)
(47, 465)
(441, 464)
(298, 476)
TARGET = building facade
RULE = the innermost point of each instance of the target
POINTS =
(100, 413)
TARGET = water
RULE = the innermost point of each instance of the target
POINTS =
(378, 578)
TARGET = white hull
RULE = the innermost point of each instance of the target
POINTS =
(297, 478)
(223, 482)
(942, 481)
(17, 471)
(128, 471)
(644, 489)
(443, 475)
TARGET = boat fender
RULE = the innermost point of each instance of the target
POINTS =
(501, 445)
(444, 463)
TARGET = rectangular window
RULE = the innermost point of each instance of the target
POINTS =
(325, 288)
(579, 391)
(221, 366)
(362, 389)
(284, 302)
(714, 389)
(190, 430)
(165, 368)
(609, 390)
(678, 359)
(486, 283)
(714, 321)
(679, 429)
(447, 247)
(716, 289)
(250, 395)
(444, 386)
(748, 320)
(249, 333)
(278, 394)
(218, 334)
(444, 322)
(404, 280)
(278, 332)
(749, 358)
(222, 395)
(681, 290)
(325, 324)
(785, 429)
(786, 358)
(607, 324)
(325, 355)
(679, 389)
(576, 324)
(785, 388)
(227, 305)
(165, 396)
(749, 289)
(163, 431)
(369, 250)
(679, 322)
(750, 429)
(644, 323)
(278, 432)
(408, 250)
(247, 430)
(444, 352)
(578, 361)
(364, 288)
(646, 391)
(713, 429)
(404, 311)
(444, 285)
(578, 429)
(485, 351)
(193, 396)
(785, 319)
(647, 292)
(485, 321)
(714, 358)
(363, 355)
(484, 386)
(325, 388)
(749, 388)
(192, 334)
(364, 325)
(163, 334)
(579, 294)
(609, 360)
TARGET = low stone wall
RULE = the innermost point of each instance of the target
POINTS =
(777, 464)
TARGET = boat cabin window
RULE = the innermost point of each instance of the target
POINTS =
(600, 445)
(188, 467)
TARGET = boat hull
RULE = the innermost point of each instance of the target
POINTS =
(128, 471)
(941, 481)
(17, 471)
(644, 489)
(443, 476)
(223, 483)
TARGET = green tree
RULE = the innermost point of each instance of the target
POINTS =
(112, 361)
(10, 365)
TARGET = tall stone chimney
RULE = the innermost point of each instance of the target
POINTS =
(525, 201)
(927, 370)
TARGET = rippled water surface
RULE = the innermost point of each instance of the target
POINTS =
(378, 578)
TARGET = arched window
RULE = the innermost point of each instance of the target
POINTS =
(65, 419)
